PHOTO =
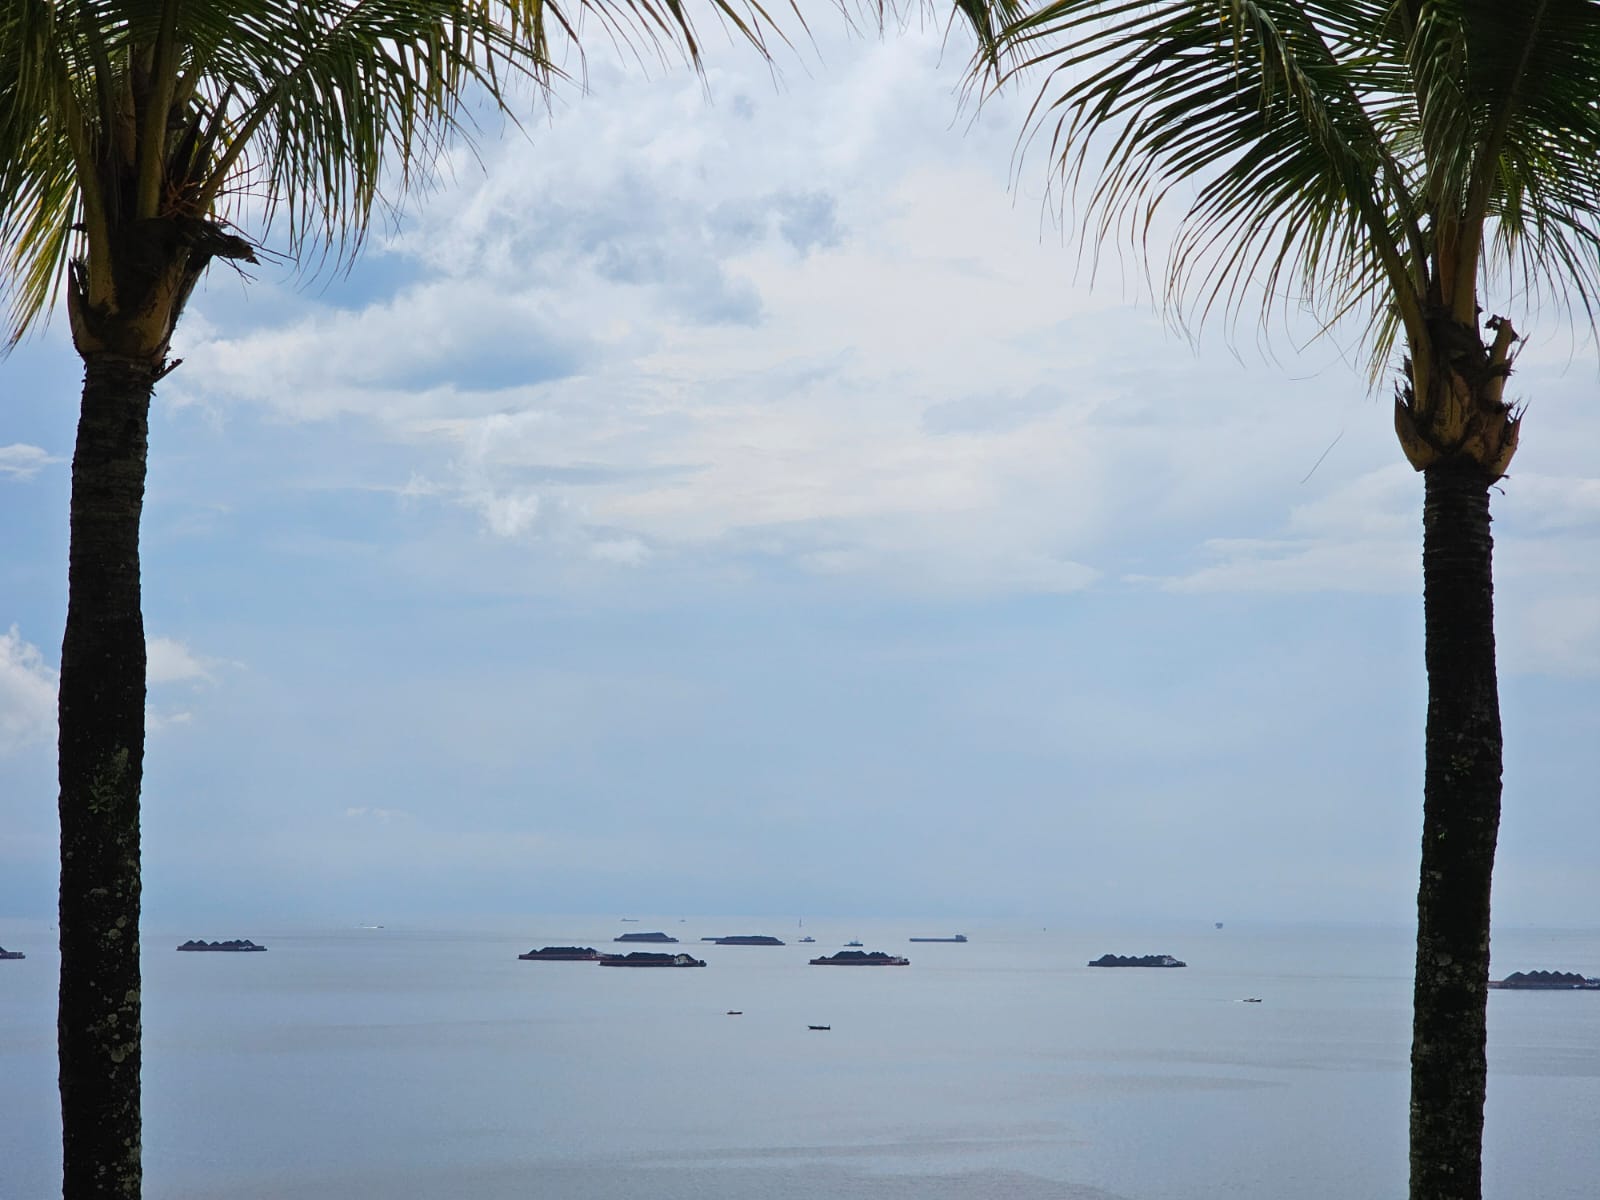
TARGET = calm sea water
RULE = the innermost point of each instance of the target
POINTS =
(409, 1064)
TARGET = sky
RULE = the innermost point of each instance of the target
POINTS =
(735, 495)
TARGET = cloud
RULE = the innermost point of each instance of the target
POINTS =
(993, 412)
(1557, 503)
(21, 462)
(623, 551)
(170, 661)
(382, 816)
(806, 221)
(1546, 618)
(812, 330)
(158, 722)
(373, 362)
(1358, 536)
(1267, 565)
(27, 694)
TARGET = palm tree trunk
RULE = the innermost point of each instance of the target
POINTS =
(1461, 818)
(101, 765)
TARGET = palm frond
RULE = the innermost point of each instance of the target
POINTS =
(1368, 158)
(1534, 72)
(1247, 116)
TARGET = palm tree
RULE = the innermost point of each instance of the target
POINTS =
(1386, 161)
(132, 134)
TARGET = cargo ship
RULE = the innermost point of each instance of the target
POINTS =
(562, 954)
(960, 937)
(1141, 960)
(861, 958)
(1546, 981)
(645, 937)
(643, 958)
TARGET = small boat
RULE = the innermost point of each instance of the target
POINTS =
(735, 1012)
(1251, 1000)
(824, 1028)
(805, 940)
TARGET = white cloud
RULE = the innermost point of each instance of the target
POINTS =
(21, 462)
(716, 347)
(1546, 617)
(1265, 565)
(1362, 535)
(623, 551)
(159, 722)
(27, 694)
(509, 515)
(170, 661)
(382, 816)
(1381, 505)
(813, 321)
(1556, 502)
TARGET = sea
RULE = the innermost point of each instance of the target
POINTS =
(412, 1063)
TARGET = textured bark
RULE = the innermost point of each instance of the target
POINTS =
(1461, 818)
(101, 766)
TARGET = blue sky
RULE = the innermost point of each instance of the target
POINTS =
(730, 495)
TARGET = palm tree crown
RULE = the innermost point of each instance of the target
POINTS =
(1372, 158)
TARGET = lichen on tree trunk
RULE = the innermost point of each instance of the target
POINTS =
(1461, 817)
(102, 696)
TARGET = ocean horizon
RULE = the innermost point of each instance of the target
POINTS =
(407, 1063)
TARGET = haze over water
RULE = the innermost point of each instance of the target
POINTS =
(409, 1063)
